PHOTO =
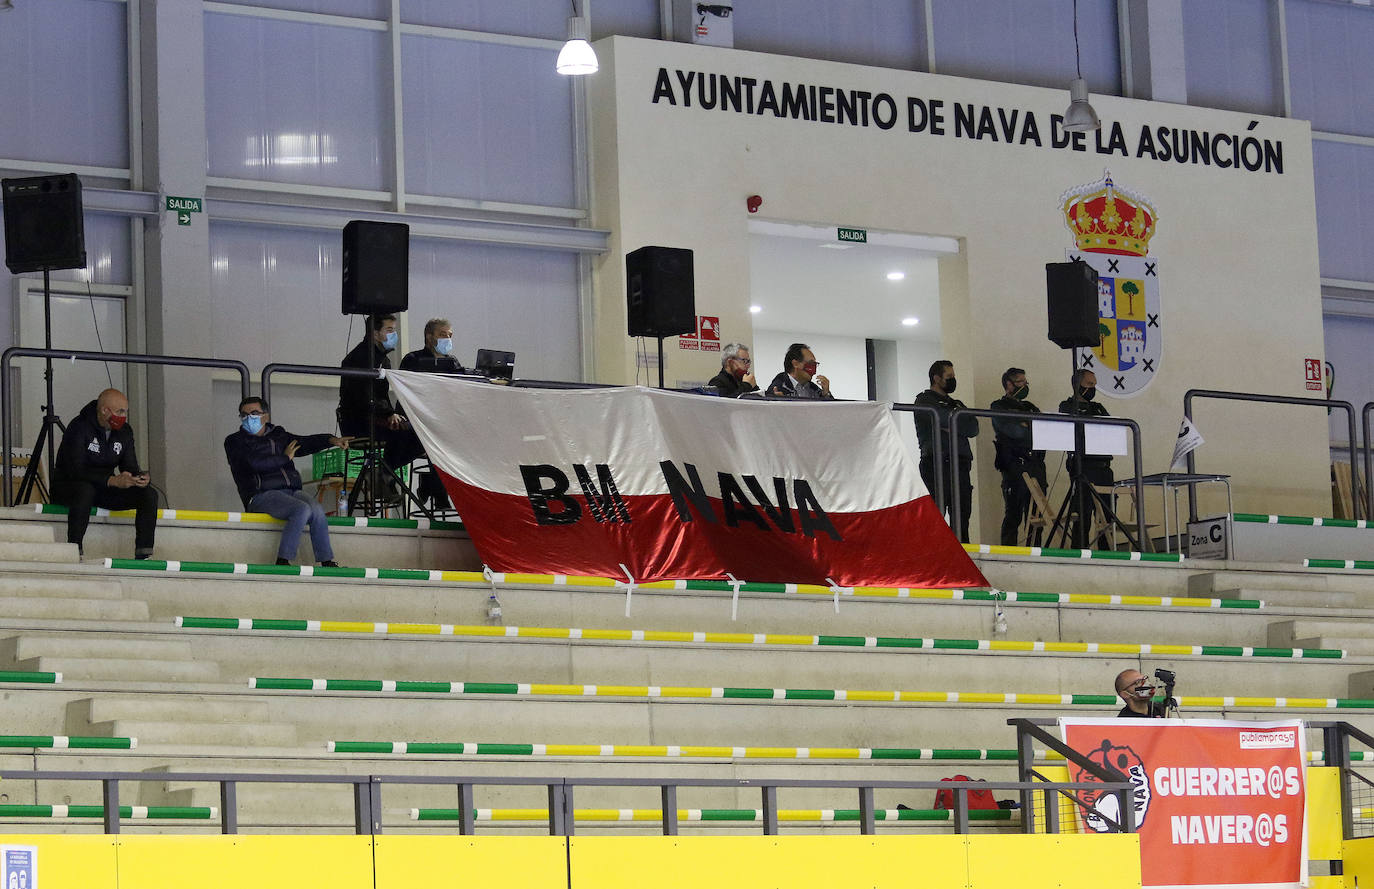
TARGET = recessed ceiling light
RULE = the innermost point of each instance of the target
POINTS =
(835, 246)
(911, 321)
(896, 276)
(754, 310)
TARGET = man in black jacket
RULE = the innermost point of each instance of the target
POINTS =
(1014, 453)
(1136, 689)
(1097, 468)
(262, 461)
(939, 396)
(437, 355)
(736, 377)
(96, 466)
(361, 399)
(799, 378)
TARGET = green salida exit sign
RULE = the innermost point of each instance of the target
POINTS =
(854, 235)
(183, 208)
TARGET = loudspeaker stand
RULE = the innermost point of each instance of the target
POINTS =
(31, 478)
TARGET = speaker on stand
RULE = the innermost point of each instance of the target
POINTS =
(660, 295)
(44, 230)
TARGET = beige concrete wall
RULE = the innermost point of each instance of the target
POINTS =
(1237, 249)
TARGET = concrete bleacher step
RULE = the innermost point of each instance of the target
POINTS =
(1347, 590)
(1297, 598)
(26, 551)
(15, 584)
(124, 669)
(1356, 635)
(54, 608)
(27, 532)
(96, 646)
(187, 733)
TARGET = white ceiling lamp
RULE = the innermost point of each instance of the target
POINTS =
(577, 56)
(911, 321)
(754, 310)
(896, 276)
(1080, 118)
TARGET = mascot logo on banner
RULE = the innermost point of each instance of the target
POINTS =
(1102, 807)
(1112, 227)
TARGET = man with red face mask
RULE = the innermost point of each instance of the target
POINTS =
(799, 378)
(97, 466)
(736, 375)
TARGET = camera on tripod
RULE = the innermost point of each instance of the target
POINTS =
(1168, 677)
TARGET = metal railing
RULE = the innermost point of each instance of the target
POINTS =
(1028, 731)
(956, 508)
(7, 409)
(1357, 791)
(367, 793)
(936, 452)
(1274, 399)
(1368, 456)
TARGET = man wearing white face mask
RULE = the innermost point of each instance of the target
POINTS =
(360, 399)
(435, 358)
(262, 461)
(437, 355)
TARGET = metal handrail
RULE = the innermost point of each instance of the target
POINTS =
(1336, 752)
(1368, 456)
(6, 408)
(368, 809)
(1270, 399)
(1029, 730)
(936, 449)
(956, 510)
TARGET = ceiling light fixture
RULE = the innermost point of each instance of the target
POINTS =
(1080, 118)
(754, 310)
(896, 276)
(911, 321)
(577, 56)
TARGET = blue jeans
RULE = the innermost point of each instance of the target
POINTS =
(298, 509)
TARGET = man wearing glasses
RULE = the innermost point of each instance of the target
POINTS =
(262, 460)
(799, 378)
(735, 377)
(1136, 689)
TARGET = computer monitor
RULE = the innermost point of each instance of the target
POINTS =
(496, 364)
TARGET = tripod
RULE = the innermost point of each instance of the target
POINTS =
(32, 479)
(376, 471)
(1083, 500)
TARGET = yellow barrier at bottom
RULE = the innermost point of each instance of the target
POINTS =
(598, 862)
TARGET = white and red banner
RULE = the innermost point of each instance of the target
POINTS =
(679, 486)
(1217, 803)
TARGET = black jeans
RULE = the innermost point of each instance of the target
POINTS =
(965, 489)
(79, 496)
(1016, 500)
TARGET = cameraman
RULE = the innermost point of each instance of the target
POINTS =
(1138, 691)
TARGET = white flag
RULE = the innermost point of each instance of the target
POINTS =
(1188, 440)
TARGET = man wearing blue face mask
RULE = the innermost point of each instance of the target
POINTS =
(262, 461)
(361, 400)
(437, 355)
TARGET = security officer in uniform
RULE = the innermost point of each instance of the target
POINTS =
(957, 481)
(1014, 453)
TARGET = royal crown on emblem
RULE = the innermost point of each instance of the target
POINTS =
(1106, 218)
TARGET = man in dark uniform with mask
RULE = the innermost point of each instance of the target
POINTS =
(1097, 468)
(1014, 453)
(1136, 689)
(938, 396)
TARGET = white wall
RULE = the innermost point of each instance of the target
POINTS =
(1240, 302)
(843, 359)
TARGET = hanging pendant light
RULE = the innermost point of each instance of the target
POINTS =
(577, 56)
(1080, 116)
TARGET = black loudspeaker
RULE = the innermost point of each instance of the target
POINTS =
(43, 224)
(376, 267)
(659, 292)
(1072, 292)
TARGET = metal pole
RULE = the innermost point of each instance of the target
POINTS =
(465, 812)
(1368, 459)
(668, 801)
(228, 807)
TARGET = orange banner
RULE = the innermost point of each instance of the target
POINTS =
(1216, 803)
